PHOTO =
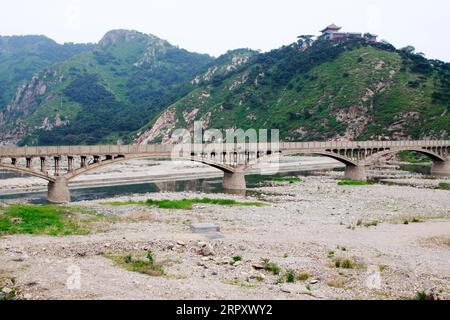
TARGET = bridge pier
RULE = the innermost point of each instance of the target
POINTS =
(357, 173)
(58, 191)
(441, 168)
(234, 180)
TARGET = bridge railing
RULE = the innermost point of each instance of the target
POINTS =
(166, 149)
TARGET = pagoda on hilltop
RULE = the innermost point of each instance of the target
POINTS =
(329, 32)
(332, 33)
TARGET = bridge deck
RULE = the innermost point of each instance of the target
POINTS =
(167, 149)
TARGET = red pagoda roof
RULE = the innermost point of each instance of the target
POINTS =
(331, 27)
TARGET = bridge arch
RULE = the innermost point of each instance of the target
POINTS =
(93, 167)
(429, 153)
(30, 172)
(335, 156)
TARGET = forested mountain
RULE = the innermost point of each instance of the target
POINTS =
(135, 87)
(322, 90)
(22, 56)
(101, 94)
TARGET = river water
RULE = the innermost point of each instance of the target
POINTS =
(213, 185)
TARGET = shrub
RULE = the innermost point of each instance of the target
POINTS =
(303, 276)
(444, 186)
(271, 267)
(148, 266)
(290, 276)
(421, 295)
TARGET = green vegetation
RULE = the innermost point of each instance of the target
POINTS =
(412, 220)
(184, 204)
(23, 56)
(421, 295)
(444, 186)
(303, 276)
(348, 182)
(10, 284)
(291, 180)
(235, 259)
(307, 93)
(290, 276)
(260, 278)
(342, 262)
(146, 265)
(45, 219)
(307, 90)
(187, 204)
(271, 267)
(373, 223)
(413, 157)
(117, 88)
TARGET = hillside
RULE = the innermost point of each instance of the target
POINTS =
(100, 95)
(323, 91)
(22, 56)
(135, 87)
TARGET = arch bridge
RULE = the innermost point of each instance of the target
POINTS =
(61, 164)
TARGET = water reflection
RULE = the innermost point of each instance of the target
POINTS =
(213, 185)
(6, 174)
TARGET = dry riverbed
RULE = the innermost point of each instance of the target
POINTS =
(319, 241)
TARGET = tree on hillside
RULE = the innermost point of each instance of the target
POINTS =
(305, 40)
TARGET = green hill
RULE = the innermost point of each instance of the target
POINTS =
(136, 87)
(352, 90)
(100, 95)
(22, 56)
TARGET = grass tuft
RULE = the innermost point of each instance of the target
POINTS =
(349, 182)
(186, 204)
(421, 295)
(147, 265)
(303, 276)
(271, 267)
(444, 186)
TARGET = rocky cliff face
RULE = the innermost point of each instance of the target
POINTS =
(25, 101)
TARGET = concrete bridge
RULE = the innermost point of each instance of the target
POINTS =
(59, 165)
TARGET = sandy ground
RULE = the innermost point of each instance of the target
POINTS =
(301, 223)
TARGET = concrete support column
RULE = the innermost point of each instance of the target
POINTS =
(43, 164)
(83, 161)
(58, 191)
(57, 167)
(234, 180)
(355, 172)
(69, 163)
(441, 168)
(28, 162)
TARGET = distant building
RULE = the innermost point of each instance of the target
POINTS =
(332, 33)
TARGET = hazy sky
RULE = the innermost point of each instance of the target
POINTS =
(212, 26)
